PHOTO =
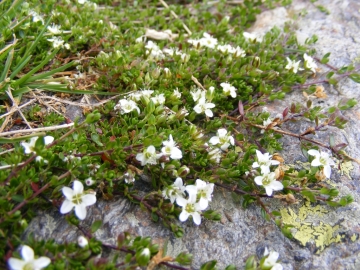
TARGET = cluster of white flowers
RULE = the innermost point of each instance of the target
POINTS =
(227, 49)
(222, 139)
(28, 260)
(267, 178)
(183, 56)
(323, 160)
(153, 51)
(58, 42)
(54, 29)
(197, 200)
(203, 105)
(126, 106)
(150, 156)
(293, 65)
(30, 146)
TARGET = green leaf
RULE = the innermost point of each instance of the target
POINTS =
(309, 195)
(95, 226)
(209, 265)
(96, 138)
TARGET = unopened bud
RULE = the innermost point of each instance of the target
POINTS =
(290, 198)
(82, 241)
(167, 73)
(89, 181)
(156, 73)
(256, 62)
(143, 256)
(183, 171)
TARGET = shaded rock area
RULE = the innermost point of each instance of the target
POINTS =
(325, 238)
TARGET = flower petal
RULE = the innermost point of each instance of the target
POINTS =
(313, 152)
(78, 187)
(316, 162)
(88, 199)
(258, 180)
(202, 204)
(183, 216)
(27, 253)
(327, 171)
(181, 201)
(276, 185)
(214, 140)
(66, 206)
(268, 190)
(68, 192)
(48, 139)
(80, 211)
(196, 218)
(42, 262)
(16, 264)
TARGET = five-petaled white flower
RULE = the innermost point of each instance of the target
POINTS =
(215, 155)
(54, 29)
(271, 261)
(228, 89)
(322, 159)
(292, 65)
(264, 162)
(148, 156)
(252, 37)
(126, 106)
(209, 41)
(309, 63)
(196, 95)
(222, 138)
(269, 182)
(204, 192)
(158, 99)
(76, 198)
(190, 208)
(204, 107)
(175, 191)
(226, 49)
(28, 262)
(170, 149)
(30, 146)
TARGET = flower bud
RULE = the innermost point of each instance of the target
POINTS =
(82, 241)
(320, 175)
(89, 181)
(183, 171)
(156, 73)
(256, 62)
(167, 73)
(143, 256)
(290, 198)
(147, 78)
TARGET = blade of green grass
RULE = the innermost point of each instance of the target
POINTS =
(7, 65)
(19, 68)
(49, 73)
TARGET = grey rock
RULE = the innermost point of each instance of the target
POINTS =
(243, 232)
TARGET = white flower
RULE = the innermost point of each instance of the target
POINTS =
(204, 191)
(30, 146)
(36, 17)
(153, 51)
(126, 106)
(175, 191)
(238, 52)
(140, 39)
(215, 155)
(176, 94)
(190, 208)
(204, 107)
(208, 41)
(170, 149)
(198, 94)
(129, 177)
(309, 63)
(226, 49)
(89, 181)
(223, 139)
(269, 182)
(148, 156)
(228, 89)
(28, 262)
(292, 65)
(252, 37)
(82, 241)
(322, 159)
(82, 1)
(264, 162)
(54, 29)
(57, 42)
(158, 99)
(271, 261)
(76, 198)
(195, 42)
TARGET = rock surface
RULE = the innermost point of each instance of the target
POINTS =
(332, 233)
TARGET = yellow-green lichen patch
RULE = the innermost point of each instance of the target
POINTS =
(354, 237)
(308, 227)
(346, 168)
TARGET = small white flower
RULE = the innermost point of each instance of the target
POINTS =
(204, 191)
(89, 181)
(153, 51)
(126, 106)
(28, 262)
(226, 49)
(271, 261)
(252, 37)
(81, 2)
(264, 162)
(208, 41)
(158, 99)
(215, 155)
(269, 182)
(170, 149)
(309, 63)
(54, 29)
(204, 107)
(197, 43)
(57, 42)
(238, 52)
(190, 208)
(198, 94)
(148, 156)
(30, 146)
(140, 39)
(228, 89)
(222, 138)
(292, 65)
(76, 198)
(176, 93)
(82, 241)
(175, 191)
(36, 16)
(322, 159)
